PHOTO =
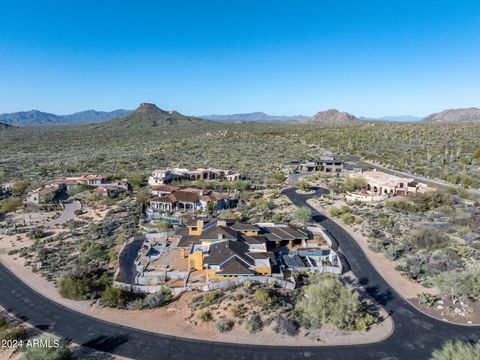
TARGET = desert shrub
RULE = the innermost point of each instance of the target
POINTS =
(364, 322)
(10, 204)
(427, 238)
(60, 352)
(285, 326)
(12, 332)
(74, 288)
(353, 183)
(223, 325)
(328, 301)
(276, 178)
(228, 214)
(303, 185)
(427, 299)
(157, 299)
(19, 188)
(115, 297)
(334, 211)
(253, 323)
(137, 180)
(36, 233)
(136, 304)
(264, 298)
(464, 285)
(348, 218)
(210, 297)
(302, 215)
(401, 205)
(471, 237)
(236, 310)
(205, 316)
(457, 350)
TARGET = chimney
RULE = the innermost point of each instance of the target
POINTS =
(199, 225)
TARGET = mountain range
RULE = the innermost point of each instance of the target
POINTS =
(35, 117)
(154, 116)
(254, 116)
(399, 118)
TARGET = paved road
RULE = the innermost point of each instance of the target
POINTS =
(414, 337)
(68, 213)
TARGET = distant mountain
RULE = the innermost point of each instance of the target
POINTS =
(455, 116)
(32, 117)
(254, 116)
(400, 118)
(149, 115)
(333, 116)
(36, 118)
(93, 116)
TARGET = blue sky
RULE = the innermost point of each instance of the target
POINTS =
(370, 58)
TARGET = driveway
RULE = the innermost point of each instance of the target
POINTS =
(126, 261)
(69, 208)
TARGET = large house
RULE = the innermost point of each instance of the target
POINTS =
(379, 183)
(165, 176)
(52, 188)
(206, 251)
(325, 164)
(43, 195)
(190, 200)
(226, 248)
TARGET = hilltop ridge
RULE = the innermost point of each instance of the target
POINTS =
(333, 116)
(461, 115)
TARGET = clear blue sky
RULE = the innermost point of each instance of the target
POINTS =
(369, 58)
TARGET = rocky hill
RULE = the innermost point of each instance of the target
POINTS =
(254, 116)
(333, 116)
(149, 115)
(455, 116)
(38, 118)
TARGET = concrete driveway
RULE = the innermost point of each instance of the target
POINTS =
(69, 208)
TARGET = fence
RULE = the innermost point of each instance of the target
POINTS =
(320, 269)
(223, 284)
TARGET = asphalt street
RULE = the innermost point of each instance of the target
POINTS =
(414, 337)
(68, 213)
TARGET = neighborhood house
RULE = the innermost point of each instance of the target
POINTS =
(211, 250)
(381, 183)
(165, 176)
(54, 188)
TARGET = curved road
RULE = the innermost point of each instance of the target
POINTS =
(414, 337)
(68, 213)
